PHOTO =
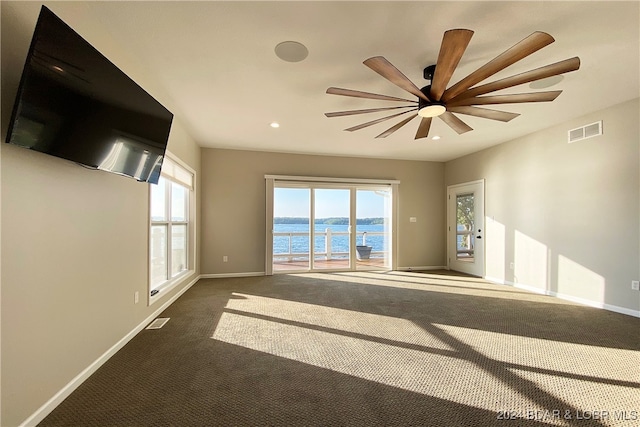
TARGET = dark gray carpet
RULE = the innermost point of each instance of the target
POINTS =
(367, 349)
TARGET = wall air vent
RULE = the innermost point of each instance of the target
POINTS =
(158, 323)
(584, 132)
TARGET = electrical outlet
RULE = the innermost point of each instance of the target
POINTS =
(136, 297)
(225, 258)
(512, 266)
(635, 285)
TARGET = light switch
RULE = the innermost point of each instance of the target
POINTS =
(413, 219)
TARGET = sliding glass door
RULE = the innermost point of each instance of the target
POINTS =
(332, 229)
(329, 227)
(373, 228)
(291, 228)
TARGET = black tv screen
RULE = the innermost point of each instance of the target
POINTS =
(75, 104)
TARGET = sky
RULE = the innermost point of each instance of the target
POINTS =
(294, 202)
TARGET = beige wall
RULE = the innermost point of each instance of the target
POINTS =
(233, 209)
(74, 245)
(567, 215)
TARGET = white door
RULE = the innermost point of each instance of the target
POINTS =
(465, 227)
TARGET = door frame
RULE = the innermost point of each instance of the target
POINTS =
(271, 181)
(478, 267)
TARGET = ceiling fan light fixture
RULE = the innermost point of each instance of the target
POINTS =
(431, 110)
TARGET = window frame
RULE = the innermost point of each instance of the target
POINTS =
(174, 171)
(273, 181)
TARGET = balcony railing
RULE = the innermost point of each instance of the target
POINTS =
(465, 241)
(328, 251)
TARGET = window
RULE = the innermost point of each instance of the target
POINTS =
(170, 208)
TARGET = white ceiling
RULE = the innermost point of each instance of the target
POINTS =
(217, 66)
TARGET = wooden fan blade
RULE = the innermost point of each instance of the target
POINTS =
(507, 99)
(539, 73)
(373, 122)
(370, 110)
(423, 129)
(455, 123)
(359, 94)
(395, 127)
(485, 113)
(522, 49)
(383, 67)
(454, 43)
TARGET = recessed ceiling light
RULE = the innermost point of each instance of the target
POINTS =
(436, 137)
(275, 125)
(291, 51)
(545, 83)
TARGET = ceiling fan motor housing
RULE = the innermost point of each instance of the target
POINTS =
(427, 91)
(426, 108)
(429, 108)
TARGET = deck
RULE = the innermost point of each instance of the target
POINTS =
(324, 264)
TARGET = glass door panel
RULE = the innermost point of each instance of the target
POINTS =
(465, 239)
(373, 228)
(331, 233)
(291, 230)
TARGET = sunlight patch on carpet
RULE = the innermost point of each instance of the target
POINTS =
(437, 283)
(427, 371)
(413, 370)
(344, 321)
(608, 364)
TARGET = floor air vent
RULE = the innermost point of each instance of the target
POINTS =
(584, 132)
(158, 323)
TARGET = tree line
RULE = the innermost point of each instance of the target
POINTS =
(327, 221)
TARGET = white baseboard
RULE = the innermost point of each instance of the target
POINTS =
(583, 301)
(52, 403)
(262, 273)
(226, 275)
(423, 268)
(614, 308)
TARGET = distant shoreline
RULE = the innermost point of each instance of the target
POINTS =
(328, 221)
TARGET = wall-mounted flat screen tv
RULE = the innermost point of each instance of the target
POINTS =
(75, 104)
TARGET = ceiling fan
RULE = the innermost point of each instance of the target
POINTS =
(436, 100)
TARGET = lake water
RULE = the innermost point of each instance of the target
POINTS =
(339, 242)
